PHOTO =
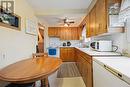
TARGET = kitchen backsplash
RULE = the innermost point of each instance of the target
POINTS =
(118, 40)
(56, 42)
(73, 42)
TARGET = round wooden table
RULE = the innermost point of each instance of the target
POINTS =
(30, 70)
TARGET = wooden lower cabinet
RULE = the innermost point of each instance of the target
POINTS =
(67, 54)
(84, 64)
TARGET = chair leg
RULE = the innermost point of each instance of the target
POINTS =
(44, 82)
(34, 84)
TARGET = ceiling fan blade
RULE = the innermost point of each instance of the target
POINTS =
(72, 22)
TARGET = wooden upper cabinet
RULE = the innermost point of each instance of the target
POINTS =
(97, 20)
(74, 33)
(101, 17)
(69, 33)
(64, 33)
(54, 31)
(79, 32)
(92, 21)
(88, 32)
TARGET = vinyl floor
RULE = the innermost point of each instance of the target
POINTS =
(68, 70)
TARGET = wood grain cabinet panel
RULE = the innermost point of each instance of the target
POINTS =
(71, 54)
(74, 33)
(92, 20)
(88, 31)
(69, 33)
(54, 32)
(84, 64)
(64, 33)
(101, 17)
(67, 54)
(97, 20)
(79, 30)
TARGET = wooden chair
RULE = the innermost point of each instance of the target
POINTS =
(35, 55)
(45, 80)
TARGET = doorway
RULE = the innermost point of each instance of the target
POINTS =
(40, 46)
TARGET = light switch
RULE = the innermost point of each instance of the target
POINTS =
(3, 54)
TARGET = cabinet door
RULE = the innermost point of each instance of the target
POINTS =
(74, 33)
(63, 54)
(67, 54)
(58, 29)
(50, 32)
(101, 17)
(92, 22)
(84, 63)
(71, 54)
(79, 32)
(53, 32)
(89, 75)
(85, 73)
(80, 64)
(69, 33)
(64, 33)
(88, 31)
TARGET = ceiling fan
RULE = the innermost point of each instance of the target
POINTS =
(66, 21)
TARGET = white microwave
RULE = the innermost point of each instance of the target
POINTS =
(102, 45)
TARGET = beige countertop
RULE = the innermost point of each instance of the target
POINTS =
(96, 53)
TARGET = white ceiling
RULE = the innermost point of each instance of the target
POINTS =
(53, 10)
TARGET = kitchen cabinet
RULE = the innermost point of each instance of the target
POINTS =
(67, 54)
(92, 21)
(65, 33)
(74, 33)
(101, 17)
(84, 64)
(54, 31)
(97, 20)
(79, 30)
(69, 33)
(88, 31)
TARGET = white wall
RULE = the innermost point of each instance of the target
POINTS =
(17, 45)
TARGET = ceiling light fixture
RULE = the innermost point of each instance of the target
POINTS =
(66, 25)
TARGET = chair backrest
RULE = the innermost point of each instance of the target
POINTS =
(35, 55)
